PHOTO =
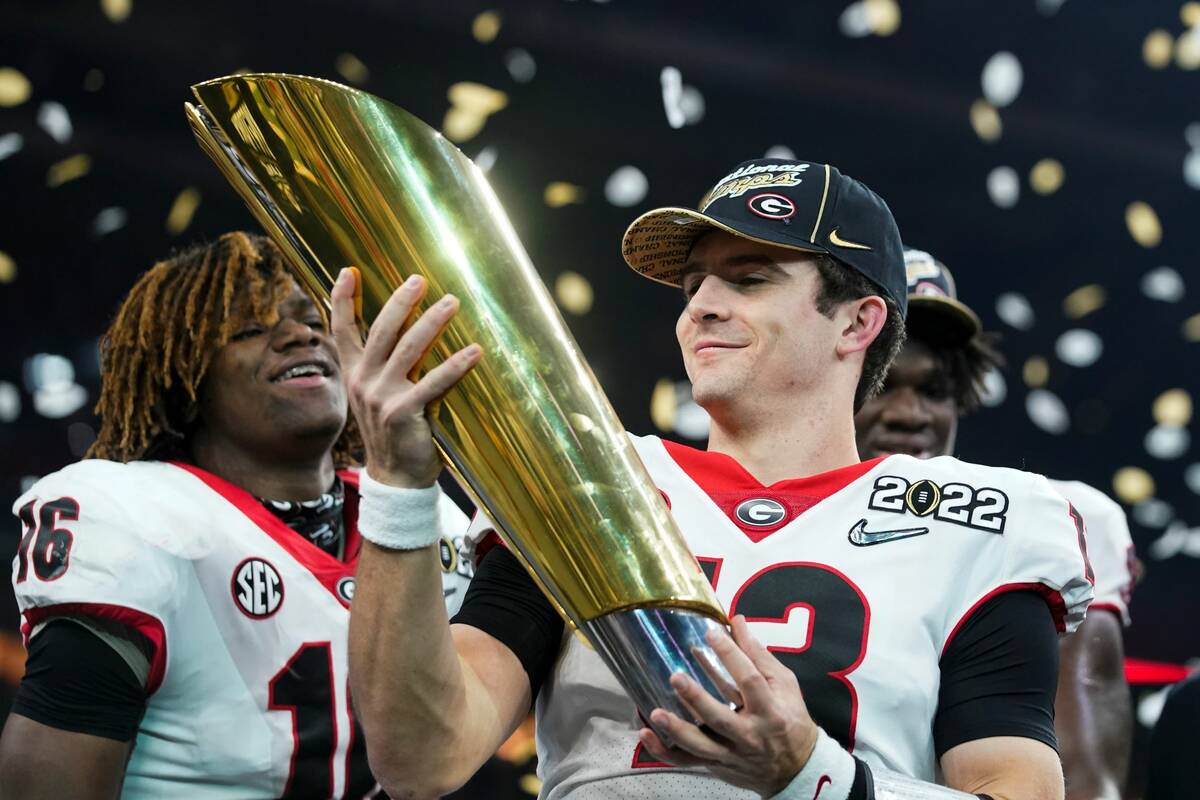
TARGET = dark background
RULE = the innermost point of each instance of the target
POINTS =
(890, 110)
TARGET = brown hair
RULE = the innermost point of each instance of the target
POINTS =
(157, 351)
(840, 284)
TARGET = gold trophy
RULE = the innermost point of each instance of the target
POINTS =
(337, 178)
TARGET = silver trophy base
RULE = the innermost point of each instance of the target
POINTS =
(644, 647)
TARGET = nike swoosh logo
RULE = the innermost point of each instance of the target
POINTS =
(840, 242)
(861, 537)
(821, 784)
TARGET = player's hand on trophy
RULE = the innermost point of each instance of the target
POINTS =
(764, 744)
(390, 408)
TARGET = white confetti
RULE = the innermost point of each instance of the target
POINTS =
(627, 186)
(1167, 441)
(1153, 513)
(10, 144)
(1047, 411)
(520, 65)
(59, 402)
(486, 159)
(1163, 283)
(995, 389)
(53, 118)
(1191, 476)
(1191, 169)
(855, 21)
(780, 151)
(1078, 347)
(1004, 186)
(672, 92)
(48, 371)
(109, 220)
(10, 402)
(1001, 79)
(1049, 7)
(1015, 310)
(691, 103)
(692, 421)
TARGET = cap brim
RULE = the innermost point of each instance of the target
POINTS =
(656, 244)
(951, 317)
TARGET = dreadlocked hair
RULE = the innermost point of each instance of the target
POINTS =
(156, 352)
(840, 284)
(967, 364)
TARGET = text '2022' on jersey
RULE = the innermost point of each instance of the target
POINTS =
(856, 579)
(247, 688)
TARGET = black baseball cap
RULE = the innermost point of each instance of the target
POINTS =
(801, 205)
(933, 299)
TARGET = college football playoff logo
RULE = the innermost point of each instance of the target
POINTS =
(257, 588)
(761, 512)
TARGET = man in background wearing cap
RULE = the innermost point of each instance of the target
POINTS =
(937, 378)
(899, 628)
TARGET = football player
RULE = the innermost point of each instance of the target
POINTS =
(936, 379)
(900, 646)
(185, 589)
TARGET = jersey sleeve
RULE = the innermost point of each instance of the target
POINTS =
(456, 569)
(1041, 548)
(82, 554)
(1109, 546)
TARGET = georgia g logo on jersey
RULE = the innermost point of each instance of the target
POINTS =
(257, 588)
(761, 512)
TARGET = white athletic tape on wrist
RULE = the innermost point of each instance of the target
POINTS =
(829, 768)
(395, 518)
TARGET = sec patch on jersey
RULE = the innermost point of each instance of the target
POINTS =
(257, 588)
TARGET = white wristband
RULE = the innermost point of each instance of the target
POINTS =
(829, 769)
(395, 518)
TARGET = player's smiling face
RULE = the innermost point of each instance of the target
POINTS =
(751, 329)
(276, 386)
(916, 412)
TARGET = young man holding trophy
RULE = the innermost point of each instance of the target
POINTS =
(894, 621)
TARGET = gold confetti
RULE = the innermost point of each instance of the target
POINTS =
(116, 10)
(1036, 372)
(883, 16)
(561, 193)
(1173, 407)
(1191, 328)
(574, 293)
(1156, 49)
(663, 405)
(530, 784)
(351, 68)
(93, 81)
(68, 170)
(14, 87)
(8, 268)
(986, 121)
(180, 215)
(1190, 14)
(1046, 176)
(1187, 49)
(1143, 224)
(471, 105)
(486, 27)
(1133, 485)
(1084, 300)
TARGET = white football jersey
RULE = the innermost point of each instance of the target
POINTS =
(857, 579)
(1110, 547)
(247, 689)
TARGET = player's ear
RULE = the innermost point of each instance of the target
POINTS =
(862, 320)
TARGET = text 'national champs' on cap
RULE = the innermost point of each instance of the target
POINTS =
(799, 205)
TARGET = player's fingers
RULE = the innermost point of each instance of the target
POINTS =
(762, 658)
(756, 693)
(342, 321)
(720, 678)
(657, 748)
(689, 739)
(715, 715)
(416, 342)
(385, 330)
(442, 378)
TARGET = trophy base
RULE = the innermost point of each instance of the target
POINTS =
(644, 647)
